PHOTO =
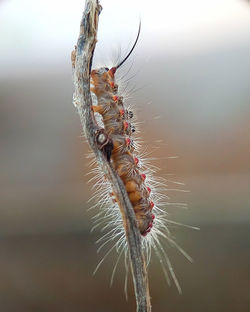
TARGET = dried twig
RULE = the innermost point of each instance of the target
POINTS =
(81, 63)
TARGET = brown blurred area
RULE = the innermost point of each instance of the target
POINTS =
(193, 112)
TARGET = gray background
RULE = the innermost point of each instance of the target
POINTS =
(192, 99)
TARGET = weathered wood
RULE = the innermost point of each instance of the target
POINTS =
(81, 65)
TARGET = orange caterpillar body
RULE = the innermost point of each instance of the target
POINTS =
(113, 136)
(116, 120)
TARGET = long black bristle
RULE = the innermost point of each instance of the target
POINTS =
(138, 34)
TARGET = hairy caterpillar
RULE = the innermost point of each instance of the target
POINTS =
(116, 119)
(145, 193)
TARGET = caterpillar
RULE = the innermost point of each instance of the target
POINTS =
(116, 119)
(146, 194)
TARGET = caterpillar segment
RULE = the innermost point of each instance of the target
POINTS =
(116, 119)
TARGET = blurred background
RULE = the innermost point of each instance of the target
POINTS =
(189, 84)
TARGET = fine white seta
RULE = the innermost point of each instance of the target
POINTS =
(147, 193)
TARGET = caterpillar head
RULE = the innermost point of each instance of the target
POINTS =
(104, 75)
(103, 79)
